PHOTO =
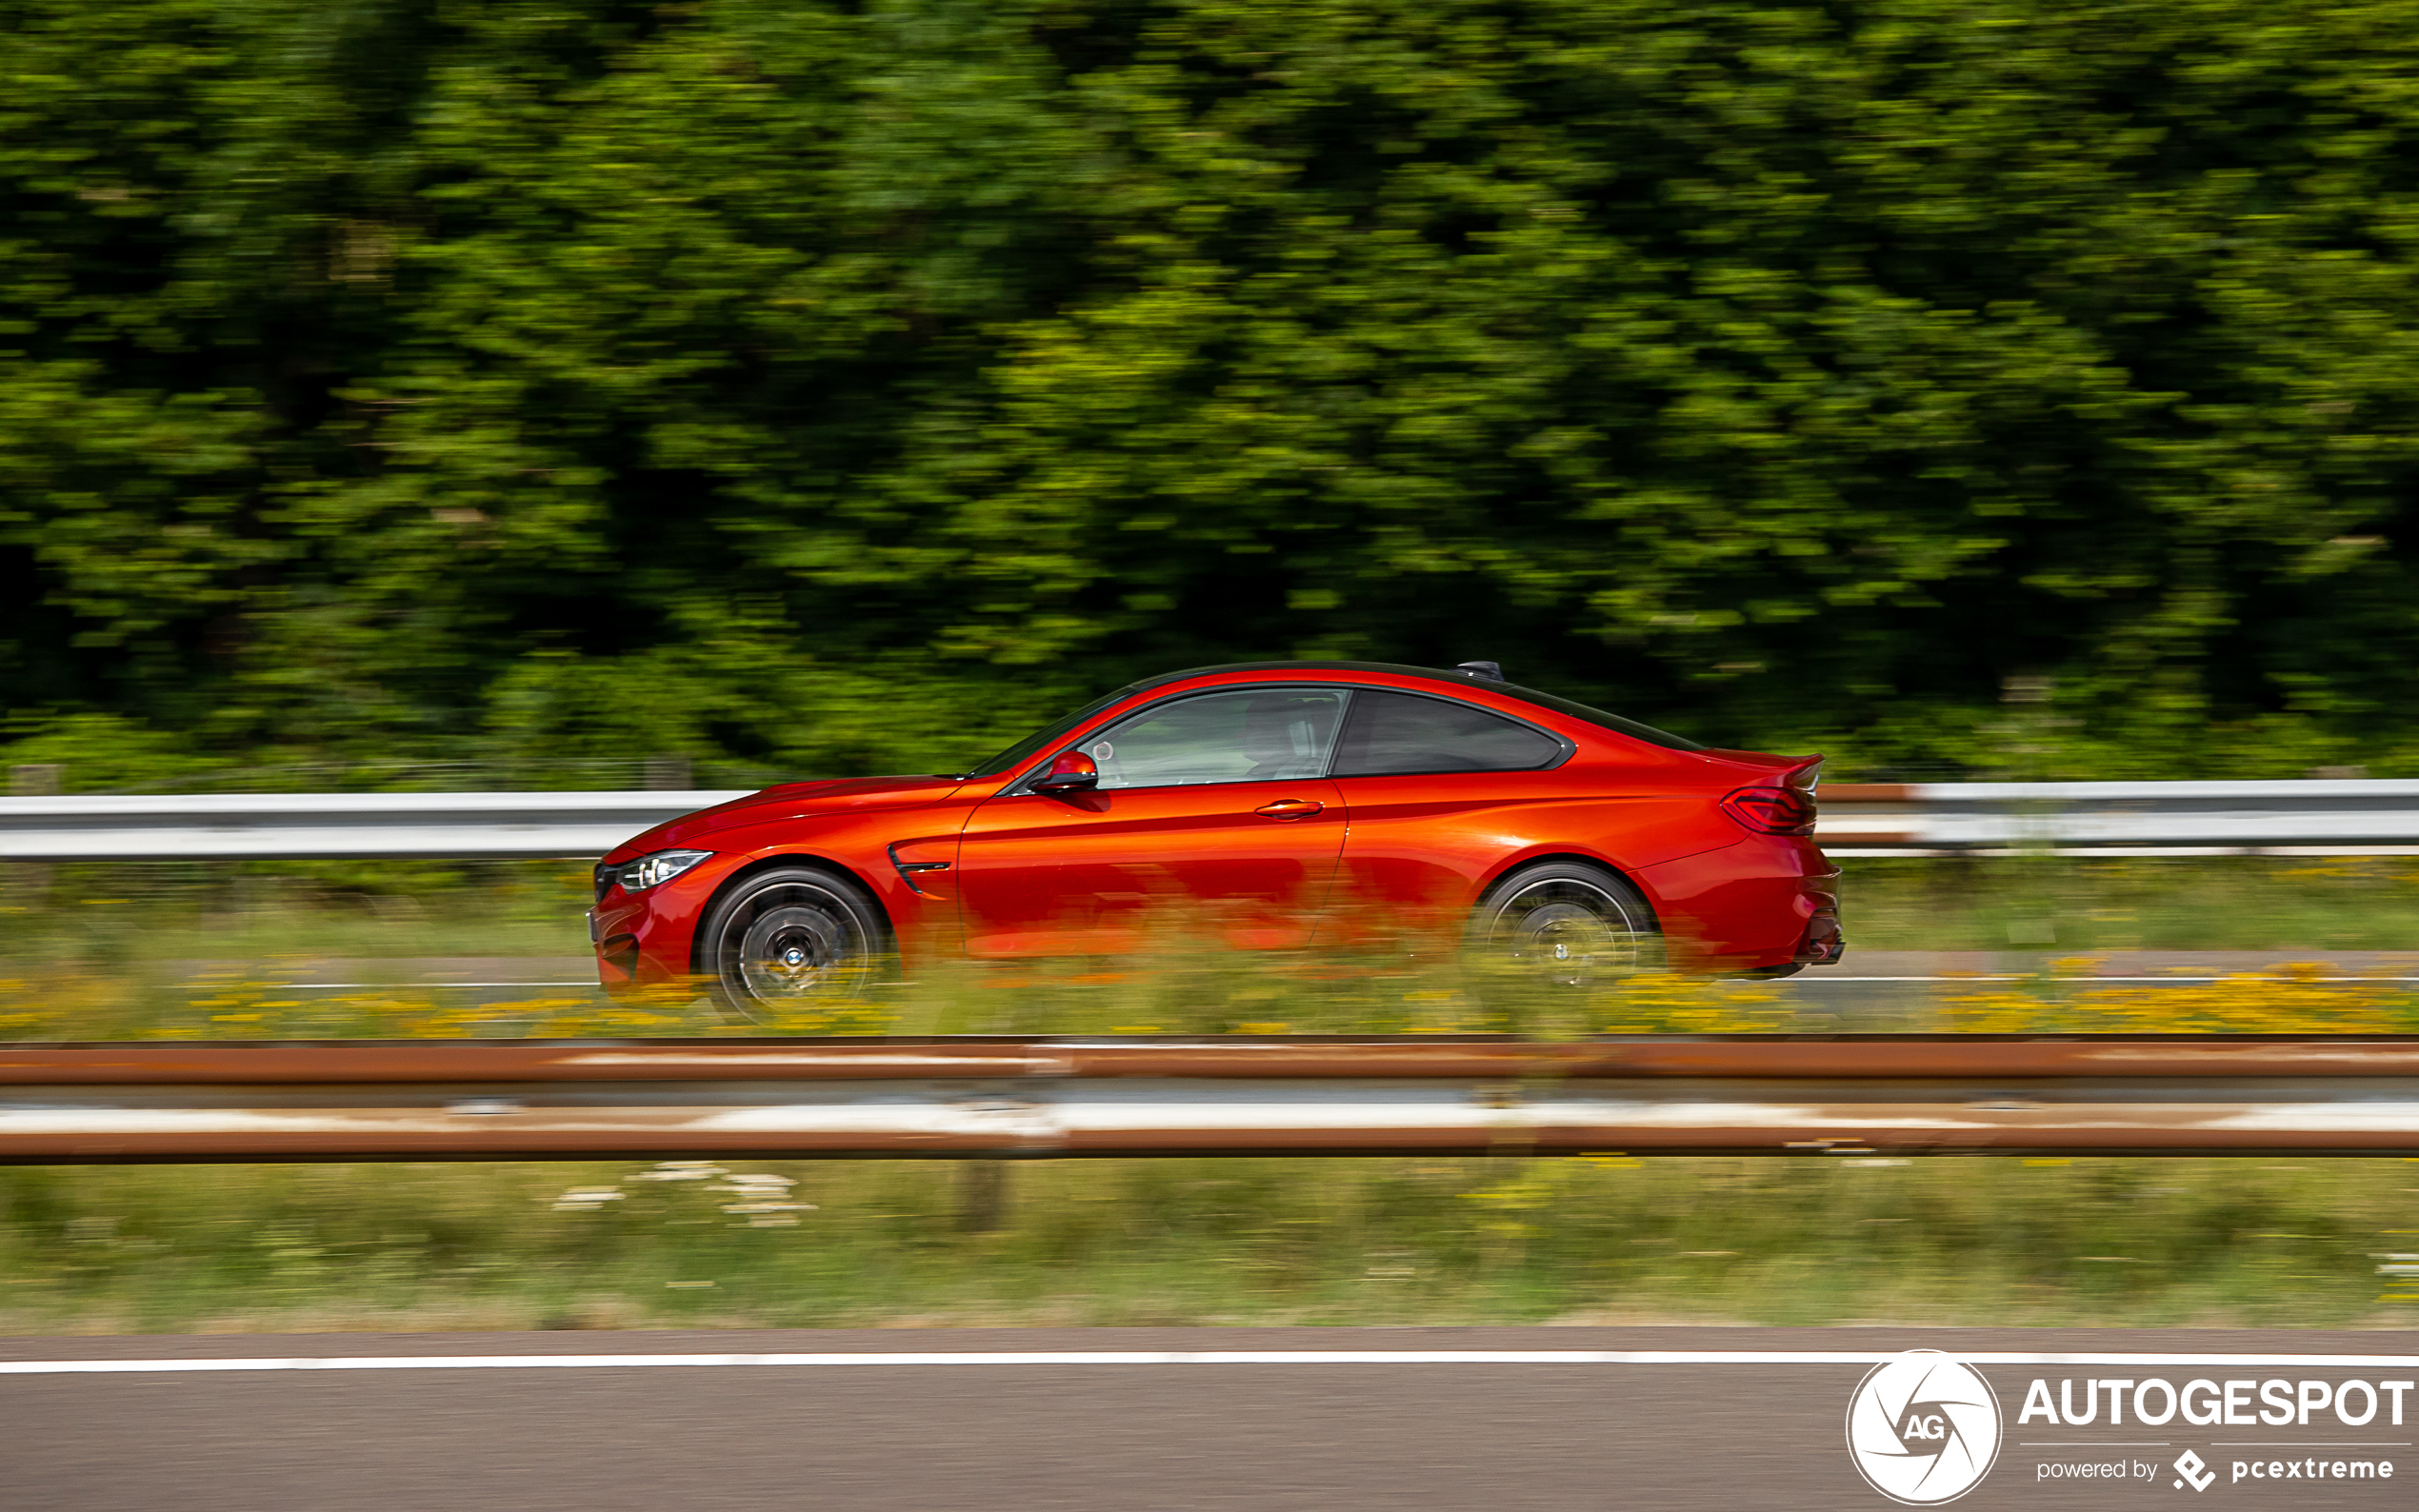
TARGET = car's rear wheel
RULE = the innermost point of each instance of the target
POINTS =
(791, 940)
(1564, 924)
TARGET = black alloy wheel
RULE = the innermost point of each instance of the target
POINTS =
(1565, 925)
(791, 939)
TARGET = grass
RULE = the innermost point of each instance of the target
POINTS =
(1342, 1241)
(1180, 992)
(254, 911)
(2077, 905)
(133, 916)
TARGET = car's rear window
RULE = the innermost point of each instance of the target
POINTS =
(1401, 733)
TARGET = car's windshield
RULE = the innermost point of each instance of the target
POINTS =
(1031, 746)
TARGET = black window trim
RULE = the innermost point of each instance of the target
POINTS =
(1565, 747)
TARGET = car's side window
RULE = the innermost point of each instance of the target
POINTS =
(1395, 733)
(1255, 736)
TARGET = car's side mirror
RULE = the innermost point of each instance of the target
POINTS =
(1069, 771)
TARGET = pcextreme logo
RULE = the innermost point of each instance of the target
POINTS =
(1923, 1428)
(2191, 1468)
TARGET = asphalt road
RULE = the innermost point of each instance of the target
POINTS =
(1407, 1434)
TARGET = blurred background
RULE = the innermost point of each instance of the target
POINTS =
(787, 388)
(405, 394)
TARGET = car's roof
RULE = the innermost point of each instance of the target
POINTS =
(1457, 676)
(1389, 668)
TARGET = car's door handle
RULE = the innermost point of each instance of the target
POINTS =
(1290, 808)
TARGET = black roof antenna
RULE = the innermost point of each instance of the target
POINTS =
(1484, 671)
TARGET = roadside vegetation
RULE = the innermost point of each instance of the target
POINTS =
(2067, 904)
(844, 388)
(1602, 1239)
(244, 950)
(251, 911)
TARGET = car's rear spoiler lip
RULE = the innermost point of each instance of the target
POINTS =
(1784, 771)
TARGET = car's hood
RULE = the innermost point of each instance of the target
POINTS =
(791, 801)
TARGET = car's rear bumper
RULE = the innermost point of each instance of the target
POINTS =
(1767, 901)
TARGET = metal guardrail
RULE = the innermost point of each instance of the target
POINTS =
(229, 827)
(1768, 1095)
(2310, 816)
(2305, 817)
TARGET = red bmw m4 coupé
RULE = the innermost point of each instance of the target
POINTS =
(1275, 803)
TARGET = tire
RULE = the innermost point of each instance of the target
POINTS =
(1564, 924)
(791, 938)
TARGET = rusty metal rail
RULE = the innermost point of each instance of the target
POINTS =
(1747, 1094)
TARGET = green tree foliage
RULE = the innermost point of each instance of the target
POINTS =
(845, 385)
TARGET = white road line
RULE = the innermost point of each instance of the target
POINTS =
(399, 986)
(1795, 982)
(2085, 981)
(1197, 1357)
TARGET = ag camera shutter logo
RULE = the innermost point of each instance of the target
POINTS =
(1923, 1428)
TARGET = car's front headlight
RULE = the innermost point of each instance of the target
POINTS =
(653, 870)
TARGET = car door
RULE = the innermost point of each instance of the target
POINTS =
(1440, 792)
(1213, 817)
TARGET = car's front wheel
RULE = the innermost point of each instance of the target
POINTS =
(793, 938)
(1564, 924)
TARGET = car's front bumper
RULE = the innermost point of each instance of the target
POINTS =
(644, 940)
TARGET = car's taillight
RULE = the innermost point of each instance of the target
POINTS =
(1772, 811)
